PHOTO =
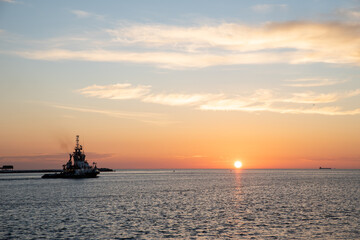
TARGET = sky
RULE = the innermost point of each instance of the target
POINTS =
(180, 84)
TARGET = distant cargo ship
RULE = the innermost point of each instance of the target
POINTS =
(324, 168)
(79, 168)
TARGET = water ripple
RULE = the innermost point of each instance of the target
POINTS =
(190, 204)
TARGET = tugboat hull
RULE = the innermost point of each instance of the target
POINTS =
(71, 175)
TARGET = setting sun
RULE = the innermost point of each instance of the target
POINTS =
(237, 164)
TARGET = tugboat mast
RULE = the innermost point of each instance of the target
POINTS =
(77, 141)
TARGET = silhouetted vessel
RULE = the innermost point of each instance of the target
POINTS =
(324, 168)
(106, 170)
(80, 168)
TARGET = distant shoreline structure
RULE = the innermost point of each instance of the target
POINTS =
(48, 170)
(30, 171)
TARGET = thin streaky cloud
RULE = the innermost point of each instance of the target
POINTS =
(109, 112)
(175, 99)
(85, 14)
(9, 1)
(313, 98)
(172, 60)
(154, 118)
(81, 14)
(349, 13)
(230, 104)
(331, 111)
(123, 91)
(313, 82)
(265, 8)
(115, 91)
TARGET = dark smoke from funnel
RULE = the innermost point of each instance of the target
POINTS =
(64, 141)
(65, 146)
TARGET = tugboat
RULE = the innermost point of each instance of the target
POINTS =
(79, 169)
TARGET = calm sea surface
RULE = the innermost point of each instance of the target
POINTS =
(190, 204)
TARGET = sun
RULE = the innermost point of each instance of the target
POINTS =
(237, 164)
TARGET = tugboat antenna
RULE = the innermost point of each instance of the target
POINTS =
(77, 141)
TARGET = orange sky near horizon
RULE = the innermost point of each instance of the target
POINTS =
(198, 140)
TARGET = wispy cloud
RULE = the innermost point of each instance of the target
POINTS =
(169, 46)
(175, 99)
(154, 118)
(9, 1)
(265, 8)
(259, 101)
(313, 82)
(236, 105)
(84, 14)
(115, 91)
(349, 13)
(122, 91)
(314, 98)
(161, 59)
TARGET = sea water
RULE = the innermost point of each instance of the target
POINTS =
(185, 204)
